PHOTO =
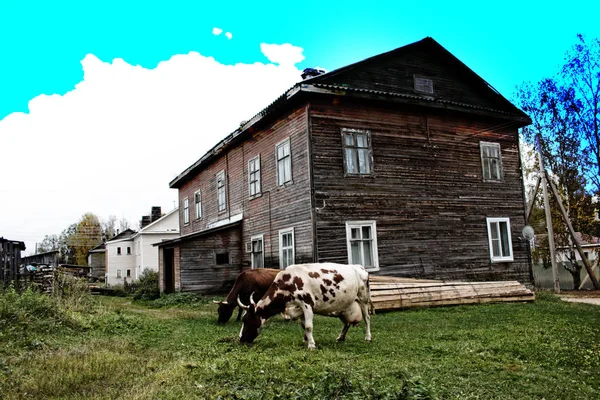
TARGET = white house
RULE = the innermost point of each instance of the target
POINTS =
(146, 255)
(120, 259)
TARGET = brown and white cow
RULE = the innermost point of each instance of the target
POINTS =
(255, 281)
(303, 290)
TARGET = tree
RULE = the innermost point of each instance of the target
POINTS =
(123, 224)
(88, 235)
(49, 243)
(565, 116)
(109, 227)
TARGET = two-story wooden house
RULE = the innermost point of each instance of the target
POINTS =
(406, 162)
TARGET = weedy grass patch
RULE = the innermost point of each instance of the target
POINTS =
(548, 349)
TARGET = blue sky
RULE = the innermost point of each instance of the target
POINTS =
(43, 42)
(93, 93)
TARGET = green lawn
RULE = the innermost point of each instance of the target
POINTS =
(548, 349)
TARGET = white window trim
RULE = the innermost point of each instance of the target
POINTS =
(218, 176)
(262, 238)
(493, 258)
(186, 211)
(259, 192)
(119, 274)
(373, 224)
(369, 147)
(291, 181)
(417, 77)
(281, 233)
(493, 144)
(119, 252)
(198, 210)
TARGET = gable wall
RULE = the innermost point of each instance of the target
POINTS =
(427, 197)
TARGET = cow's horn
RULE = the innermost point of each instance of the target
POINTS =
(220, 302)
(245, 307)
(252, 299)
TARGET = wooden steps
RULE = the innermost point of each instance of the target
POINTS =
(390, 293)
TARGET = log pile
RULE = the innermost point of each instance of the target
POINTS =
(389, 293)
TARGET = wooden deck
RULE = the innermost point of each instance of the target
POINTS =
(390, 293)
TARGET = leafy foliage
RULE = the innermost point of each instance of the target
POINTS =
(177, 299)
(147, 286)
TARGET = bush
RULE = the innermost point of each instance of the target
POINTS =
(179, 298)
(147, 286)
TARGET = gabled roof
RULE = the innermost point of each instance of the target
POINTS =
(147, 227)
(329, 84)
(101, 248)
(125, 235)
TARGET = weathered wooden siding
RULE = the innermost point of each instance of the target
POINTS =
(426, 194)
(396, 75)
(198, 271)
(276, 208)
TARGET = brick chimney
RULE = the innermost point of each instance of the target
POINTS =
(156, 213)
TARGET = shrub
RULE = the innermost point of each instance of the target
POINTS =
(179, 298)
(147, 286)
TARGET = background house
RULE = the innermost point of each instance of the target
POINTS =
(97, 260)
(406, 163)
(158, 229)
(49, 258)
(120, 260)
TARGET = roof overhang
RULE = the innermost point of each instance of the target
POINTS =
(231, 222)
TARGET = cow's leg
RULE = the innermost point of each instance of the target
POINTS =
(342, 336)
(303, 327)
(308, 326)
(240, 313)
(364, 308)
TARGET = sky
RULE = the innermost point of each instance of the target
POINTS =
(102, 104)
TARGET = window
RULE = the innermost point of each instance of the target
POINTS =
(423, 85)
(361, 240)
(118, 251)
(198, 204)
(222, 258)
(128, 251)
(258, 260)
(357, 151)
(254, 176)
(221, 197)
(118, 273)
(284, 162)
(129, 273)
(186, 211)
(491, 162)
(286, 248)
(499, 239)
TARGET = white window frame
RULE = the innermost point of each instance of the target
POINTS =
(292, 247)
(119, 251)
(128, 251)
(359, 224)
(496, 221)
(485, 160)
(355, 148)
(198, 203)
(256, 162)
(128, 273)
(284, 160)
(220, 178)
(119, 274)
(254, 238)
(186, 211)
(423, 84)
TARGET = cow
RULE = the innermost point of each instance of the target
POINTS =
(302, 290)
(247, 282)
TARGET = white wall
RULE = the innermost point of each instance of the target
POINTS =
(121, 262)
(146, 255)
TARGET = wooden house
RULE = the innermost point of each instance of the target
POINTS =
(97, 261)
(406, 162)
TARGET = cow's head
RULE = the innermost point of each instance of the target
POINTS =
(225, 311)
(251, 323)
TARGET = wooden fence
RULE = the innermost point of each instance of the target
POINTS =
(10, 260)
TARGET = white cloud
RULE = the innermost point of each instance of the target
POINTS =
(217, 31)
(113, 144)
(229, 35)
(282, 54)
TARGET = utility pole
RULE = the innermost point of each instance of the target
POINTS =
(548, 216)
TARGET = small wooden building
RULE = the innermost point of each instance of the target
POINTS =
(97, 261)
(10, 259)
(50, 258)
(406, 162)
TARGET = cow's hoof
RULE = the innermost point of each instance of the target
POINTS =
(312, 347)
(368, 340)
(340, 339)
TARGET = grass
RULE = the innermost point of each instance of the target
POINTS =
(549, 349)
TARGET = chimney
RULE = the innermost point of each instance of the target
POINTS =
(311, 72)
(156, 213)
(146, 220)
